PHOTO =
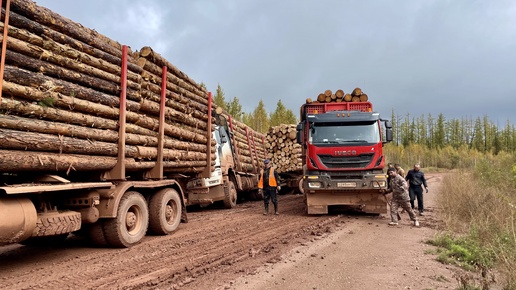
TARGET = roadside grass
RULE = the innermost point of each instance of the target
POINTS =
(478, 209)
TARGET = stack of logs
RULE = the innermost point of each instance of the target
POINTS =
(61, 96)
(282, 148)
(339, 96)
(250, 147)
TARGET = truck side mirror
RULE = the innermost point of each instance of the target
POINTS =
(388, 131)
(299, 135)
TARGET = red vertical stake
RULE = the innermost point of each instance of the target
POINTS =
(118, 172)
(4, 44)
(157, 171)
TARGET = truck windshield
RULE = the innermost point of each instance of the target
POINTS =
(338, 133)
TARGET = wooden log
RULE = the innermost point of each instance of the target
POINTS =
(339, 93)
(48, 113)
(36, 65)
(364, 98)
(348, 97)
(19, 161)
(22, 22)
(180, 132)
(327, 93)
(37, 52)
(47, 83)
(148, 53)
(69, 52)
(355, 99)
(321, 98)
(174, 83)
(175, 101)
(19, 140)
(66, 26)
(56, 128)
(308, 101)
(356, 92)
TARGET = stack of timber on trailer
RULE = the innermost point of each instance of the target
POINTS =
(328, 96)
(286, 156)
(93, 136)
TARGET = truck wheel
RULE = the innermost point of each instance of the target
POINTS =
(57, 223)
(130, 225)
(164, 211)
(230, 195)
(300, 187)
(96, 234)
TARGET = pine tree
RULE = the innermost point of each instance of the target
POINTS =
(260, 120)
(234, 109)
(219, 98)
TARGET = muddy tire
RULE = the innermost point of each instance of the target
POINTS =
(130, 225)
(300, 189)
(230, 195)
(57, 223)
(164, 211)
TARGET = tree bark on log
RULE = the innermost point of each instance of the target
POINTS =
(19, 140)
(148, 53)
(47, 83)
(56, 128)
(66, 26)
(138, 120)
(36, 65)
(67, 51)
(18, 161)
(174, 83)
(29, 109)
(22, 22)
(37, 52)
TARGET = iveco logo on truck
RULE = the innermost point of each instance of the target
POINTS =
(346, 153)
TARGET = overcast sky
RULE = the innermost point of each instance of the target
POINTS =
(456, 57)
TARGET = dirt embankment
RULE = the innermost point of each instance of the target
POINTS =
(242, 249)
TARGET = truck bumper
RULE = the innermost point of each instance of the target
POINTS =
(368, 202)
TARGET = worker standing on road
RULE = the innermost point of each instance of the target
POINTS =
(416, 178)
(400, 198)
(399, 170)
(269, 185)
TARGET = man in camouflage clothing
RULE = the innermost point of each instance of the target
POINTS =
(400, 198)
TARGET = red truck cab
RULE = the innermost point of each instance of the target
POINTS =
(343, 157)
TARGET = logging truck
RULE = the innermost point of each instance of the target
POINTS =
(231, 178)
(342, 156)
(102, 141)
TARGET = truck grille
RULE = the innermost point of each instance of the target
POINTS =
(360, 161)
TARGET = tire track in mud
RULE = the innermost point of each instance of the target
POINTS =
(215, 244)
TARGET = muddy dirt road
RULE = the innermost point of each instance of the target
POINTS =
(242, 249)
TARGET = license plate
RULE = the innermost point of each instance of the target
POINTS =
(346, 184)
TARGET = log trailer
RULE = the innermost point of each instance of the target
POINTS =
(342, 156)
(98, 140)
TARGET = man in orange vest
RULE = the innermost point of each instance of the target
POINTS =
(269, 186)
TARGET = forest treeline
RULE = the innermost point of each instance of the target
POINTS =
(478, 134)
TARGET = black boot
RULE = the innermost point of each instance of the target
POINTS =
(276, 209)
(266, 212)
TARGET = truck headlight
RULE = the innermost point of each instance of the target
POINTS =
(314, 184)
(378, 184)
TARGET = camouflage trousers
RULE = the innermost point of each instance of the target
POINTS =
(404, 204)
